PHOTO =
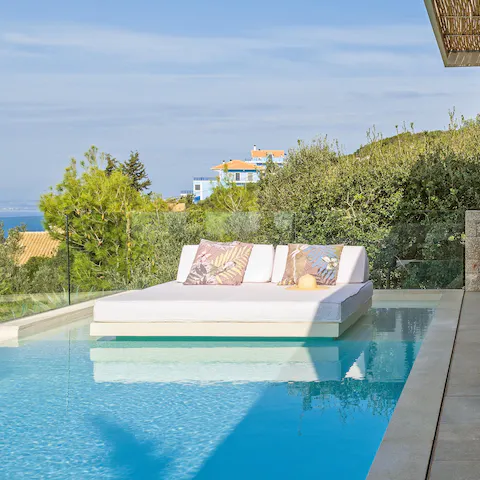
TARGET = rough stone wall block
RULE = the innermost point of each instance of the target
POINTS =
(472, 251)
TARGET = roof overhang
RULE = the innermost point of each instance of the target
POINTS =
(456, 24)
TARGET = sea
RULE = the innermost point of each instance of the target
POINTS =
(32, 219)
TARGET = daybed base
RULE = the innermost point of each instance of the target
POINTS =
(229, 329)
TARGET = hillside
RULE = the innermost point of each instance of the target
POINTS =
(403, 139)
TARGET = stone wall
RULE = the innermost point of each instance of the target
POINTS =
(472, 251)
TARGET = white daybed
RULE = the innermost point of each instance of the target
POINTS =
(257, 308)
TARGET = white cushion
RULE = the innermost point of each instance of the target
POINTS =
(186, 260)
(259, 268)
(249, 302)
(353, 267)
(260, 264)
(280, 262)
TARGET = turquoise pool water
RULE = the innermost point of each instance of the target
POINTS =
(72, 408)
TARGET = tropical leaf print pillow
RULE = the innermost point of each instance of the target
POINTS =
(321, 261)
(219, 263)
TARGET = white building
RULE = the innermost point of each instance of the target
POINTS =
(240, 171)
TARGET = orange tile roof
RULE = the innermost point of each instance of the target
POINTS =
(264, 153)
(37, 244)
(236, 165)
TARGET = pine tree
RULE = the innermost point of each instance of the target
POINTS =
(112, 164)
(135, 170)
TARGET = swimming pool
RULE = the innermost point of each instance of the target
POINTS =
(71, 407)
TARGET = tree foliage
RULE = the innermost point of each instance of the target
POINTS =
(10, 249)
(112, 164)
(99, 206)
(403, 198)
(134, 169)
(227, 196)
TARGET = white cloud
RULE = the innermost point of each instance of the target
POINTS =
(194, 50)
(196, 100)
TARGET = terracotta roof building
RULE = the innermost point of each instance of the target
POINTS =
(238, 165)
(242, 172)
(37, 244)
(267, 153)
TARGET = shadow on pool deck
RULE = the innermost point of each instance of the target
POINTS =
(128, 457)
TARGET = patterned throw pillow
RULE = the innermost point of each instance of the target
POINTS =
(219, 263)
(321, 261)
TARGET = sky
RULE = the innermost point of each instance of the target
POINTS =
(190, 83)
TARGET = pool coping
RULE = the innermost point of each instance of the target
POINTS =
(40, 322)
(406, 448)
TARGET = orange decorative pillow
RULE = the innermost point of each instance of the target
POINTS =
(219, 263)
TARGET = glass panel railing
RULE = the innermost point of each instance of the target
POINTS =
(98, 255)
(115, 252)
(33, 273)
(156, 239)
(155, 243)
(425, 250)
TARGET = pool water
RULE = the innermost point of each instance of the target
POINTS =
(71, 407)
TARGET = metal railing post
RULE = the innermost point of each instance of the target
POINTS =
(67, 238)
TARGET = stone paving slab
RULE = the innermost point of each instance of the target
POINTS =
(457, 443)
(456, 453)
(459, 410)
(446, 470)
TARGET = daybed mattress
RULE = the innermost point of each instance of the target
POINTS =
(259, 302)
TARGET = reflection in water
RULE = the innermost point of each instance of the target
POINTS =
(399, 323)
(383, 366)
(364, 370)
(182, 410)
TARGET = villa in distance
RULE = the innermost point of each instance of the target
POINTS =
(240, 171)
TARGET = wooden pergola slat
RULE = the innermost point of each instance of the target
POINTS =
(456, 25)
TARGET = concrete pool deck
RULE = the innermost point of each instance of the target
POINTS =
(406, 448)
(456, 453)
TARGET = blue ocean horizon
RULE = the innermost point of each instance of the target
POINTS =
(33, 220)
